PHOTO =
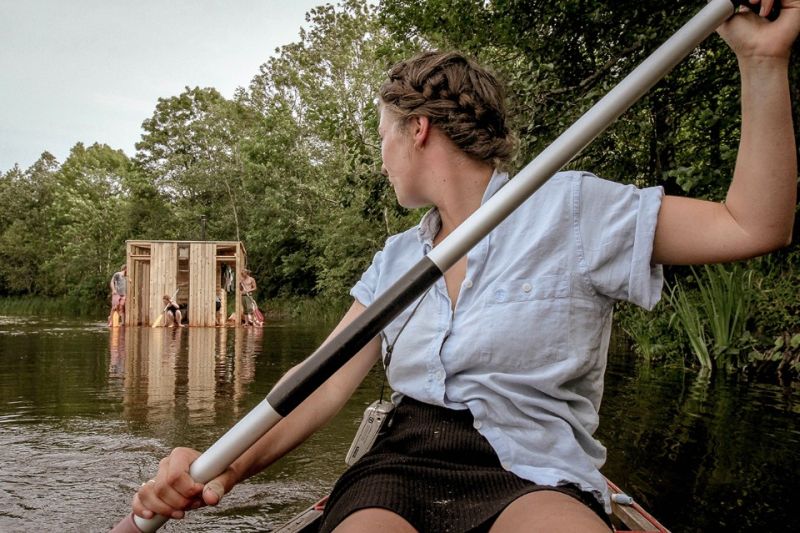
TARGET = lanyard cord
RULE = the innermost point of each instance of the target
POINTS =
(390, 345)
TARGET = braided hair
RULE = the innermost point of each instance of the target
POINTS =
(461, 98)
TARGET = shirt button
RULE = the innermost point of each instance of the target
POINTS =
(506, 465)
(468, 284)
(527, 287)
(477, 424)
(440, 374)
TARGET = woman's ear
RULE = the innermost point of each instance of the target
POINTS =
(421, 129)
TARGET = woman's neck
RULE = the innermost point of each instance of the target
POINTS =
(462, 189)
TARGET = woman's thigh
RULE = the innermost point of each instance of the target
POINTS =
(550, 511)
(374, 519)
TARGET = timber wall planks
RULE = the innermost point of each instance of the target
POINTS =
(202, 284)
(137, 305)
(193, 268)
(163, 275)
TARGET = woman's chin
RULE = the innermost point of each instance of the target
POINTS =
(402, 199)
(409, 201)
(410, 204)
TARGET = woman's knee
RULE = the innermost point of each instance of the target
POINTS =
(550, 511)
(374, 519)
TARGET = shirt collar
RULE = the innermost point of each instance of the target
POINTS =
(431, 221)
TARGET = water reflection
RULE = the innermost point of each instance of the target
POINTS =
(716, 444)
(116, 352)
(183, 373)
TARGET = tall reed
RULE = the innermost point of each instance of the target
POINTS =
(727, 298)
(688, 316)
(715, 317)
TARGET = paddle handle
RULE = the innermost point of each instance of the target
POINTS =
(215, 460)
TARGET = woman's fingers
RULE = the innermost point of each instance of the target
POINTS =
(172, 490)
(147, 504)
(213, 492)
(766, 7)
(752, 36)
(173, 483)
(761, 9)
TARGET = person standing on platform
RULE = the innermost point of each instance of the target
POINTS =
(248, 287)
(119, 289)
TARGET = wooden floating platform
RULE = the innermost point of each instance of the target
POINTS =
(194, 271)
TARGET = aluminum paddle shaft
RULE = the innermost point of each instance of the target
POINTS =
(318, 367)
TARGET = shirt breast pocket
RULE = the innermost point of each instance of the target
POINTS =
(529, 322)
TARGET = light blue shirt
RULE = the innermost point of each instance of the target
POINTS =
(525, 348)
(120, 283)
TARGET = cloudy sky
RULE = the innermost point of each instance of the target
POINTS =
(92, 70)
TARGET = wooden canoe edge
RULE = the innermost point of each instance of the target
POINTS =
(306, 521)
(632, 515)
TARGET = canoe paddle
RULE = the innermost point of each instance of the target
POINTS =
(326, 360)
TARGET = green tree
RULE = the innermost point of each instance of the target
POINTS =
(325, 205)
(89, 236)
(191, 152)
(26, 232)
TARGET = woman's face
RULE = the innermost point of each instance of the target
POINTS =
(399, 163)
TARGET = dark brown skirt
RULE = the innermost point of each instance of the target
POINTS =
(436, 471)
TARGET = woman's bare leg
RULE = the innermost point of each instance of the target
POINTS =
(374, 519)
(548, 511)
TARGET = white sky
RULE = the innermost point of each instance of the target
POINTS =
(92, 70)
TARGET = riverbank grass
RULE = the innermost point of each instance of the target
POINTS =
(56, 306)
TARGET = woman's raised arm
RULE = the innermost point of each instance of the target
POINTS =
(758, 212)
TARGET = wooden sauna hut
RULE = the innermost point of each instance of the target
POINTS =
(197, 270)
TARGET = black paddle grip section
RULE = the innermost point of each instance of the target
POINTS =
(330, 357)
(773, 13)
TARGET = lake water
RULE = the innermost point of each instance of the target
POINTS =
(86, 413)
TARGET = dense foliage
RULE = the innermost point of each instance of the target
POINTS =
(291, 164)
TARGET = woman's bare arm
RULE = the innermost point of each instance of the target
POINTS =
(758, 213)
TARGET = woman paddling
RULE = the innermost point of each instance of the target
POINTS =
(498, 369)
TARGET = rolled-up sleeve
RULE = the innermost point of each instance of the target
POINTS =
(617, 225)
(364, 289)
